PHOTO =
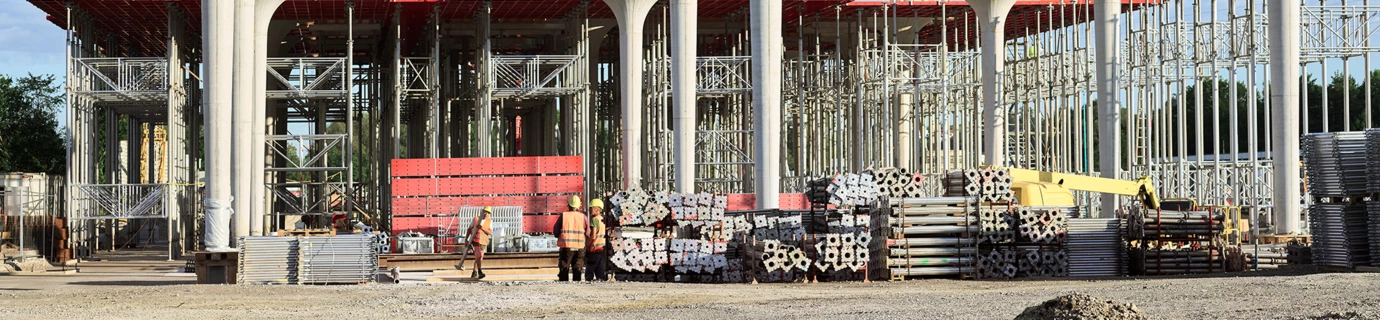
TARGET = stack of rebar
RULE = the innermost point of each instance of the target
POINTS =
(1335, 163)
(1095, 248)
(853, 190)
(268, 260)
(931, 237)
(987, 185)
(897, 182)
(1340, 234)
(342, 259)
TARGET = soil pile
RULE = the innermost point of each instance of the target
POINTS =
(1079, 306)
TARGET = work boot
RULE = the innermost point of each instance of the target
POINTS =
(577, 277)
(481, 275)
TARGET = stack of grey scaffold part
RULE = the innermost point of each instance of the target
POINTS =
(897, 183)
(268, 260)
(998, 226)
(1341, 237)
(776, 261)
(1372, 162)
(843, 252)
(931, 237)
(640, 255)
(1335, 163)
(778, 227)
(991, 185)
(342, 259)
(506, 222)
(1095, 248)
(1178, 242)
(851, 189)
(1373, 229)
(1000, 262)
(639, 208)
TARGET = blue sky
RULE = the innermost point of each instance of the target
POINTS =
(28, 42)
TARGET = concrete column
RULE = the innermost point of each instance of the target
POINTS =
(243, 118)
(684, 29)
(767, 50)
(1284, 101)
(483, 102)
(905, 158)
(632, 15)
(263, 14)
(992, 24)
(1107, 15)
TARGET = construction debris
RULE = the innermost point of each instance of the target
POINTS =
(1079, 306)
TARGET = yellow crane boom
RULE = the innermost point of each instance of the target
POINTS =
(1048, 188)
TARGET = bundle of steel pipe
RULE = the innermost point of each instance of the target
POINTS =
(1335, 163)
(987, 185)
(638, 208)
(846, 251)
(1373, 223)
(1340, 234)
(932, 236)
(773, 256)
(1095, 248)
(1042, 225)
(897, 183)
(1264, 256)
(996, 225)
(853, 189)
(647, 254)
(341, 259)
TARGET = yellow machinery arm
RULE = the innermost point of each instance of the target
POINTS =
(1141, 187)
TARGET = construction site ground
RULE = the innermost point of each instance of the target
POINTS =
(154, 288)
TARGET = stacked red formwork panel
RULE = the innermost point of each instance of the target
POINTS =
(428, 191)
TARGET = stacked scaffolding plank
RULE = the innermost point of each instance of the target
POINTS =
(1336, 167)
(429, 193)
(1095, 248)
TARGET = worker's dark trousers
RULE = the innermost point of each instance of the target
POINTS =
(572, 258)
(597, 269)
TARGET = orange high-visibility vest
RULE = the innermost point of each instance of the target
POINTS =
(482, 231)
(596, 236)
(573, 229)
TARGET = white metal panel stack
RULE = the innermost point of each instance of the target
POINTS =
(268, 260)
(506, 220)
(1095, 248)
(343, 259)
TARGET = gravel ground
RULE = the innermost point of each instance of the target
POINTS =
(1266, 295)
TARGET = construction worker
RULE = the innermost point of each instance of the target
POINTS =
(597, 256)
(480, 231)
(572, 231)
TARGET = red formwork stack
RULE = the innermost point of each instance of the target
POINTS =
(428, 193)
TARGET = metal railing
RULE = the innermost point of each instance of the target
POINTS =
(307, 78)
(310, 152)
(723, 75)
(533, 75)
(120, 79)
(122, 201)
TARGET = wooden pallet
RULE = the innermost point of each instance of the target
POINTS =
(306, 233)
(1275, 239)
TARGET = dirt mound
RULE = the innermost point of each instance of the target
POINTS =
(1079, 306)
(1351, 315)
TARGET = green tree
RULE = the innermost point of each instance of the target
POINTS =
(30, 140)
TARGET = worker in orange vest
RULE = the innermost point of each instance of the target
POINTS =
(572, 231)
(481, 230)
(597, 255)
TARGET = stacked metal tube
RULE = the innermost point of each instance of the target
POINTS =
(897, 182)
(931, 237)
(1178, 242)
(987, 185)
(1340, 235)
(1095, 248)
(1264, 256)
(267, 260)
(1336, 165)
(1022, 242)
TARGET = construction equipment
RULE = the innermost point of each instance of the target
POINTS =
(1051, 189)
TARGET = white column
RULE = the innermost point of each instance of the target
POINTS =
(1284, 101)
(262, 15)
(218, 18)
(767, 50)
(992, 25)
(684, 29)
(243, 118)
(1107, 17)
(484, 103)
(905, 143)
(631, 14)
